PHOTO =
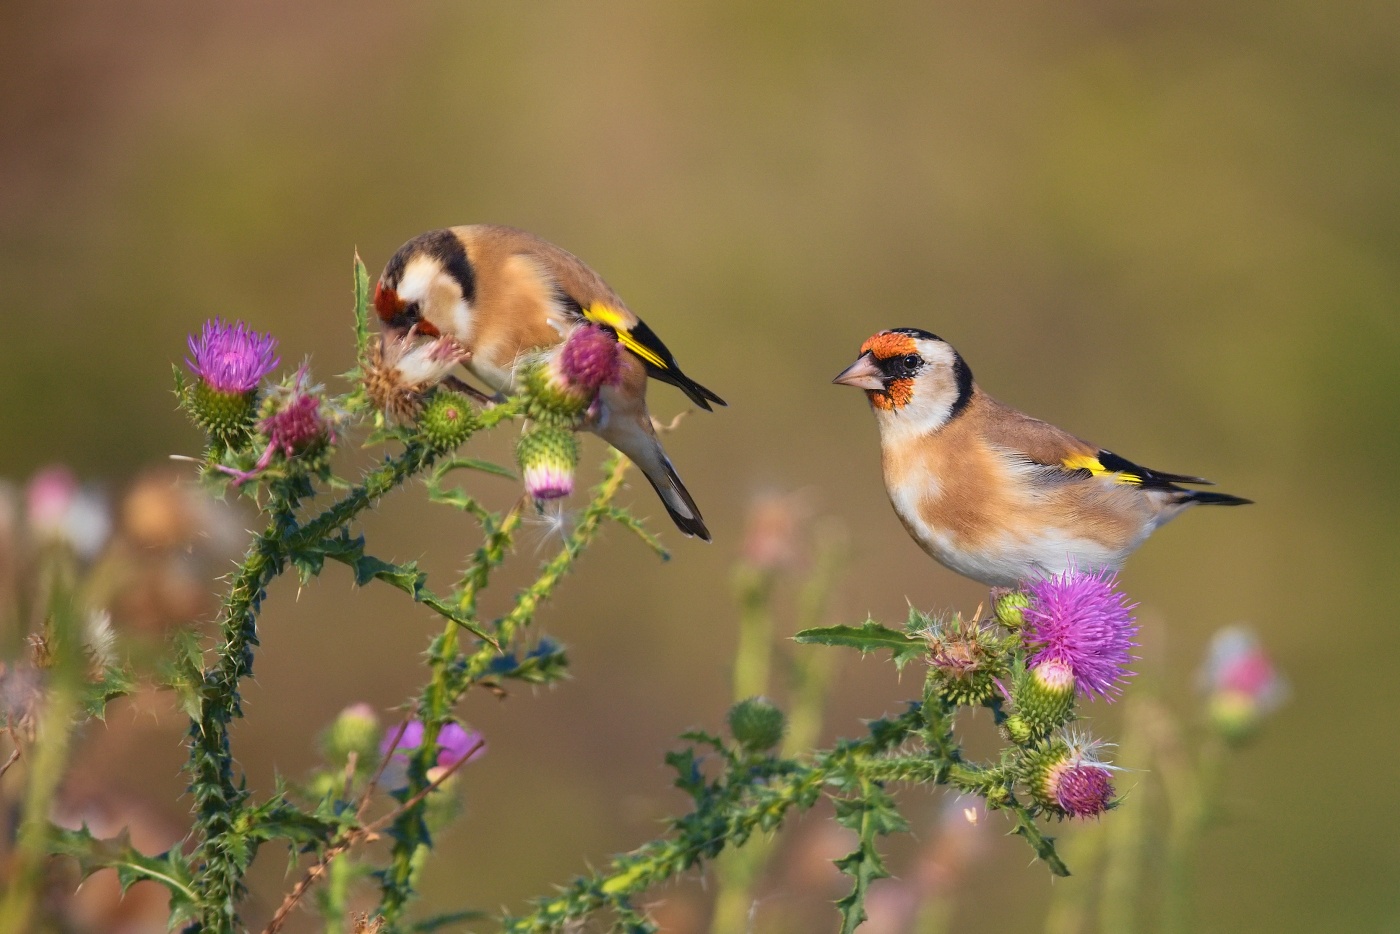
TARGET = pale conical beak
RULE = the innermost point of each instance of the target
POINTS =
(863, 374)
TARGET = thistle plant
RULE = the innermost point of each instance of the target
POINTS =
(282, 443)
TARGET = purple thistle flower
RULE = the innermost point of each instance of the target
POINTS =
(231, 358)
(1082, 789)
(1082, 620)
(298, 424)
(1072, 780)
(455, 743)
(590, 359)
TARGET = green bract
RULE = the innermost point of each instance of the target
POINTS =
(447, 421)
(757, 723)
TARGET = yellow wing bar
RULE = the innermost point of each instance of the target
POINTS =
(1091, 463)
(599, 313)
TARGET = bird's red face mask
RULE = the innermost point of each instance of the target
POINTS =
(398, 315)
(885, 370)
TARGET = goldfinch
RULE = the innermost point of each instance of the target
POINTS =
(992, 493)
(502, 293)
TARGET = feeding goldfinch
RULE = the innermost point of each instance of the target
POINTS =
(502, 293)
(992, 493)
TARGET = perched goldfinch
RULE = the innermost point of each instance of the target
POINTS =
(992, 493)
(501, 293)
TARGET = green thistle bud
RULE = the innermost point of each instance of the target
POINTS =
(448, 420)
(1018, 730)
(1044, 696)
(757, 723)
(355, 730)
(226, 417)
(1009, 607)
(547, 456)
(551, 397)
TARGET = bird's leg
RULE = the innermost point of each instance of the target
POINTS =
(462, 386)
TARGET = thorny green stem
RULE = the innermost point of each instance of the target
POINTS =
(453, 673)
(735, 807)
(737, 870)
(218, 799)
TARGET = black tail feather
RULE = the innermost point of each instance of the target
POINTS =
(1205, 498)
(697, 393)
(690, 525)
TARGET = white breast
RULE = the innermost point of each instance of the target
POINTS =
(1005, 560)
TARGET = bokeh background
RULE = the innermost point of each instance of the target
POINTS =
(1171, 227)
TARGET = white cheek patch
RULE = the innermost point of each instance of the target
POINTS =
(418, 276)
(462, 321)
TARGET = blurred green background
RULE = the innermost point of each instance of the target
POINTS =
(1173, 228)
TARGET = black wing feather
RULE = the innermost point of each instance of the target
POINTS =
(1150, 478)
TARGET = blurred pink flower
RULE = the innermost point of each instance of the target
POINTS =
(1241, 684)
(59, 510)
(455, 743)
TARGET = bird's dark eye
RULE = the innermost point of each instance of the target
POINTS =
(911, 361)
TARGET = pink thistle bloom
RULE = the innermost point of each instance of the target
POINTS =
(455, 743)
(590, 359)
(1237, 663)
(568, 379)
(1081, 789)
(231, 358)
(1081, 620)
(1077, 783)
(1054, 675)
(547, 457)
(297, 425)
(298, 421)
(547, 480)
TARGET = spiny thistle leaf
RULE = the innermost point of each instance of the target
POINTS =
(547, 662)
(114, 683)
(871, 815)
(406, 577)
(308, 563)
(183, 670)
(361, 307)
(869, 637)
(471, 463)
(277, 818)
(171, 868)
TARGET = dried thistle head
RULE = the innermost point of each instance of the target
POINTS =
(400, 371)
(965, 658)
(365, 924)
